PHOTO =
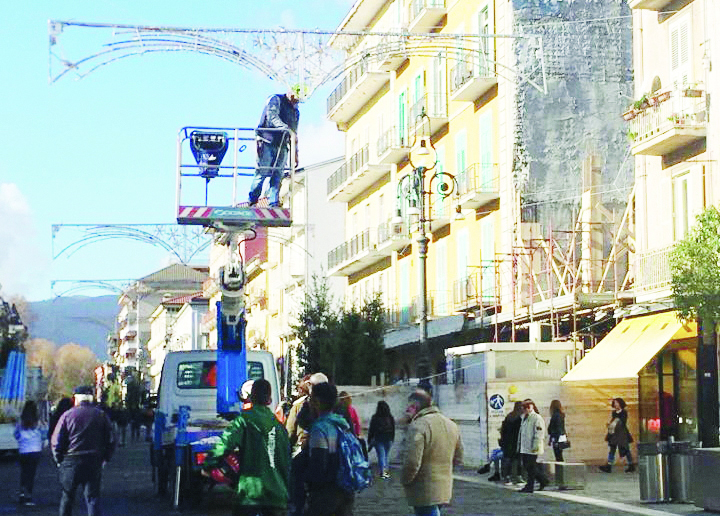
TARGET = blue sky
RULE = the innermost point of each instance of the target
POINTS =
(102, 149)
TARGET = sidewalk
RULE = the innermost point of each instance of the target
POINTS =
(618, 491)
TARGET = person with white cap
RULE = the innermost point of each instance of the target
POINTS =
(82, 443)
(298, 425)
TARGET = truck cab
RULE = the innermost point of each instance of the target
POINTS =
(187, 423)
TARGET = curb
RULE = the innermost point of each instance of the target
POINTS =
(577, 498)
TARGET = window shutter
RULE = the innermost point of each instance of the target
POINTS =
(680, 53)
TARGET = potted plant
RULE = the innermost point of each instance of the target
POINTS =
(662, 96)
(641, 103)
(629, 114)
(692, 91)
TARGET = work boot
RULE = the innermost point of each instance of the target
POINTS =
(484, 469)
(494, 478)
(607, 468)
(630, 468)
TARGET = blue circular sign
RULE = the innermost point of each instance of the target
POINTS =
(497, 402)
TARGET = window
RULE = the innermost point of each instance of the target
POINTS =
(463, 251)
(441, 301)
(202, 374)
(484, 23)
(486, 150)
(402, 119)
(487, 255)
(681, 212)
(680, 53)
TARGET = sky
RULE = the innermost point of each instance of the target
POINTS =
(102, 149)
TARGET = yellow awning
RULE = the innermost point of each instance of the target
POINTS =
(629, 347)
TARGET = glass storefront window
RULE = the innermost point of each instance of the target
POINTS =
(668, 406)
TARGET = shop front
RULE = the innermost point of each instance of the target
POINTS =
(659, 352)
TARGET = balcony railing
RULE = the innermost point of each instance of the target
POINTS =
(393, 146)
(348, 250)
(478, 185)
(391, 237)
(361, 83)
(439, 304)
(347, 169)
(436, 108)
(476, 290)
(677, 118)
(392, 52)
(472, 76)
(652, 270)
(426, 14)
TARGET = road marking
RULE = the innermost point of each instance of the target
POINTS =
(579, 499)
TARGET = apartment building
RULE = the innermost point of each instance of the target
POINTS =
(516, 100)
(674, 145)
(140, 300)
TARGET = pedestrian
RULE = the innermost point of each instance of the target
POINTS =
(120, 418)
(264, 451)
(509, 435)
(433, 447)
(82, 443)
(325, 496)
(298, 423)
(62, 406)
(556, 429)
(278, 124)
(618, 436)
(530, 445)
(345, 409)
(381, 435)
(135, 423)
(30, 437)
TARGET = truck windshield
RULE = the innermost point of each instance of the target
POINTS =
(202, 374)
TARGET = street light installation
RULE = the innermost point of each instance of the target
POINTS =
(411, 192)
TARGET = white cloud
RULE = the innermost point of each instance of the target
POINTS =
(21, 270)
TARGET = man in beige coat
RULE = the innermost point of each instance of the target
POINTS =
(433, 446)
(530, 445)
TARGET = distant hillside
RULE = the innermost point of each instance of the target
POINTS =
(80, 319)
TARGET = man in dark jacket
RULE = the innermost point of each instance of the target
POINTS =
(81, 444)
(278, 123)
(264, 449)
(509, 433)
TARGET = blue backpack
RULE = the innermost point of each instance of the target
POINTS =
(354, 472)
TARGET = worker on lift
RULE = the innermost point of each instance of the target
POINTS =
(280, 112)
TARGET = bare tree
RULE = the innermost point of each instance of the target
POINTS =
(41, 353)
(74, 366)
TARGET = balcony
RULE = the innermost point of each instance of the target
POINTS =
(393, 147)
(354, 176)
(472, 77)
(391, 237)
(650, 5)
(676, 119)
(476, 291)
(426, 14)
(441, 213)
(359, 85)
(478, 186)
(439, 304)
(352, 256)
(436, 108)
(652, 270)
(392, 52)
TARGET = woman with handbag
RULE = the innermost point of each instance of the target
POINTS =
(618, 436)
(556, 430)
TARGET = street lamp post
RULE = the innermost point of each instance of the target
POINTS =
(411, 190)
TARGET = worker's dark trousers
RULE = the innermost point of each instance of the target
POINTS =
(85, 471)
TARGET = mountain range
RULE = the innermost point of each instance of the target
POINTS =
(80, 319)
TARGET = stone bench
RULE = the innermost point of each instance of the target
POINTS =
(565, 475)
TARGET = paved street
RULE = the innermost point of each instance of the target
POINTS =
(128, 491)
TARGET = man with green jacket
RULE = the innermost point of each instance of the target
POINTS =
(263, 447)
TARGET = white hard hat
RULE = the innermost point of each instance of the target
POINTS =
(246, 389)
